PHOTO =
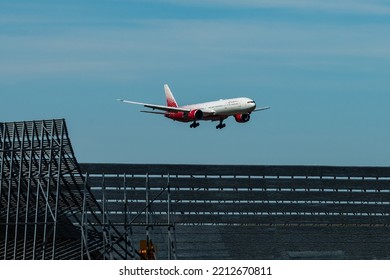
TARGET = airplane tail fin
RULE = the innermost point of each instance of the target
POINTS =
(171, 102)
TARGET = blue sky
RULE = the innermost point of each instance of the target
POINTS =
(323, 67)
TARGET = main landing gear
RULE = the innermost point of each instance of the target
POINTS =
(194, 125)
(221, 125)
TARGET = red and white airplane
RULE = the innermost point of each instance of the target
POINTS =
(240, 108)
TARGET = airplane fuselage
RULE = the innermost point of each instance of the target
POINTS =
(223, 108)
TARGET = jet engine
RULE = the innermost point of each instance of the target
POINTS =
(242, 118)
(195, 115)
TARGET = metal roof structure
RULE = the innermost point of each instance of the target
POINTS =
(250, 212)
(44, 198)
(52, 207)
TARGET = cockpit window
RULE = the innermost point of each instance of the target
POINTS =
(251, 101)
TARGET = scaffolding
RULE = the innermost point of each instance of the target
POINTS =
(252, 212)
(47, 210)
(130, 209)
(52, 207)
(252, 195)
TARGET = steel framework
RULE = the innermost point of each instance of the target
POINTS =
(259, 195)
(51, 207)
(245, 212)
(47, 210)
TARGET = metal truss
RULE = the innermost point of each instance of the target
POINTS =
(51, 207)
(134, 220)
(47, 210)
(215, 211)
(252, 195)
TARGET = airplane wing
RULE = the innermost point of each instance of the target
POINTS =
(156, 107)
(261, 109)
(165, 108)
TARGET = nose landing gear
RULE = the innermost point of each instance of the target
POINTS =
(220, 125)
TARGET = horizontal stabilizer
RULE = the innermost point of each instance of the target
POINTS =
(152, 112)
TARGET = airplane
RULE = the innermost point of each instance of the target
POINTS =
(241, 108)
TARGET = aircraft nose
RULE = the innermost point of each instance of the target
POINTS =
(252, 104)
